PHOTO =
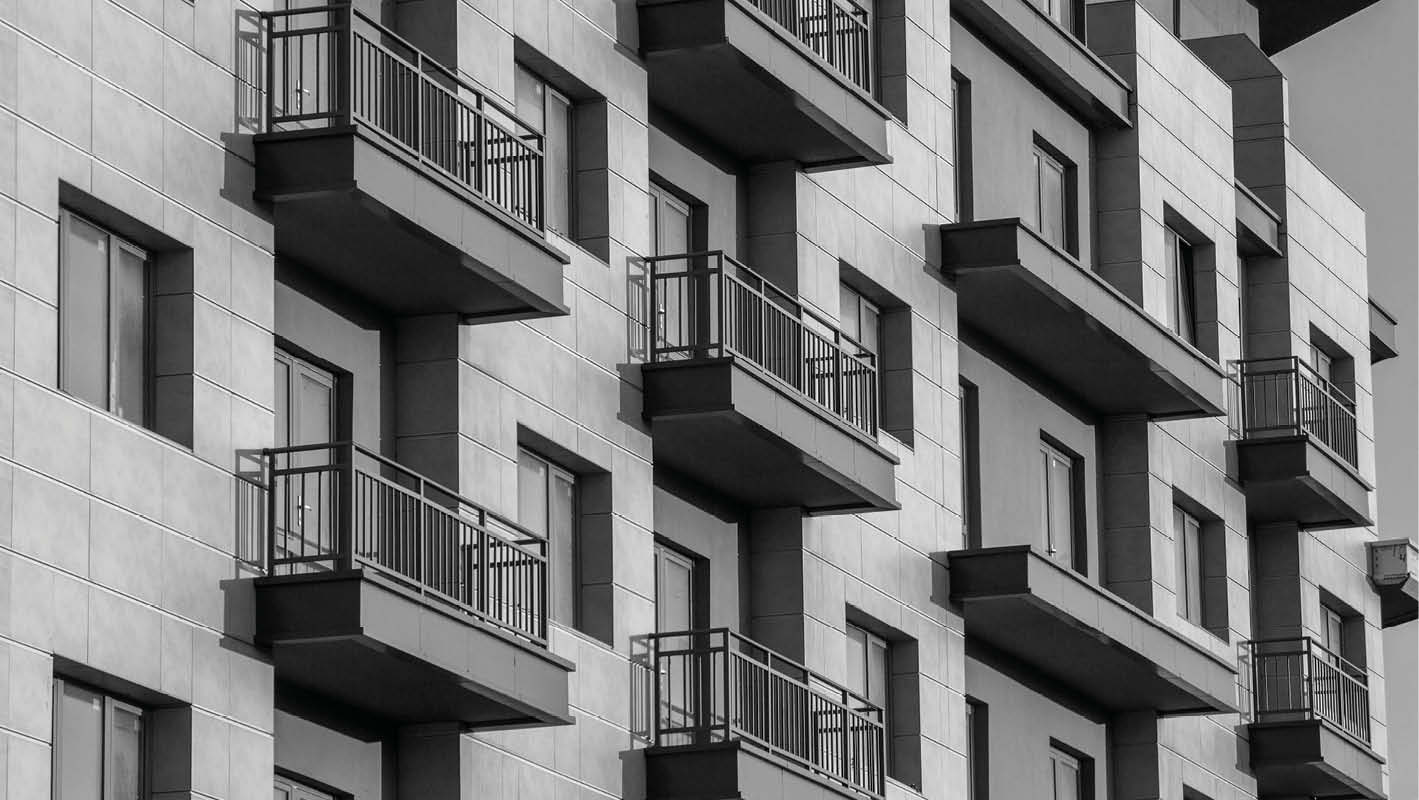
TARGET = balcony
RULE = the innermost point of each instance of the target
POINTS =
(1310, 722)
(1296, 445)
(753, 395)
(1052, 56)
(734, 719)
(395, 180)
(394, 597)
(768, 80)
(1384, 342)
(1393, 567)
(1258, 227)
(1083, 638)
(1082, 333)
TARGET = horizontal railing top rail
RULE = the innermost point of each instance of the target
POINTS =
(837, 31)
(1286, 395)
(339, 505)
(707, 303)
(1300, 678)
(359, 70)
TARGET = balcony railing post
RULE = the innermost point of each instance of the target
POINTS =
(345, 55)
(344, 456)
(268, 460)
(482, 534)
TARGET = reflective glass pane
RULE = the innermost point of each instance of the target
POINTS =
(870, 328)
(1171, 277)
(857, 659)
(674, 592)
(83, 312)
(848, 307)
(558, 158)
(877, 671)
(1192, 558)
(130, 326)
(1052, 206)
(78, 741)
(283, 395)
(1059, 505)
(528, 90)
(562, 536)
(1066, 779)
(125, 754)
(532, 492)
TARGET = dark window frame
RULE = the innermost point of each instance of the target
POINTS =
(962, 147)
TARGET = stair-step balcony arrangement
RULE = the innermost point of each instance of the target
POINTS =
(392, 177)
(1296, 445)
(392, 595)
(1394, 572)
(1071, 326)
(1310, 722)
(769, 80)
(752, 394)
(732, 718)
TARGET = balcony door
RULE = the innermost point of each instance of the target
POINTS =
(305, 415)
(1057, 518)
(680, 675)
(670, 229)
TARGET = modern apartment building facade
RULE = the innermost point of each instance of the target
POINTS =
(682, 399)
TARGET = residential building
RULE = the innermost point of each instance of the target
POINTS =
(681, 399)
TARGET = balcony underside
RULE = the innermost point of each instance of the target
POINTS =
(1059, 62)
(1291, 479)
(1308, 758)
(731, 771)
(1399, 603)
(1067, 324)
(1074, 633)
(738, 431)
(369, 646)
(732, 75)
(397, 234)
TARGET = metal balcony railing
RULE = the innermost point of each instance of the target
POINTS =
(333, 66)
(339, 506)
(838, 31)
(1287, 397)
(707, 305)
(1295, 679)
(716, 686)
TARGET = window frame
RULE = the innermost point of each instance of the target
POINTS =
(546, 94)
(962, 148)
(970, 463)
(977, 750)
(1048, 448)
(666, 552)
(556, 581)
(1178, 268)
(1043, 155)
(1188, 541)
(109, 706)
(116, 246)
(862, 302)
(1058, 756)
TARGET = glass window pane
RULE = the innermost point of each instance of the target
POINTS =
(877, 671)
(1052, 203)
(125, 753)
(557, 153)
(1059, 505)
(528, 92)
(869, 328)
(1192, 555)
(674, 592)
(532, 492)
(1038, 192)
(130, 326)
(78, 740)
(1170, 276)
(562, 536)
(315, 420)
(283, 395)
(857, 659)
(673, 235)
(83, 312)
(849, 305)
(1066, 779)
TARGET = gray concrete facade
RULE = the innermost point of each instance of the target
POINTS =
(136, 557)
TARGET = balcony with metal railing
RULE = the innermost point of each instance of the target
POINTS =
(1310, 721)
(393, 177)
(755, 395)
(1394, 572)
(769, 80)
(394, 595)
(1296, 445)
(723, 702)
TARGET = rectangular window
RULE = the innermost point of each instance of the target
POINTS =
(1187, 535)
(1058, 514)
(550, 113)
(100, 750)
(1177, 267)
(867, 665)
(674, 590)
(1333, 631)
(1323, 363)
(546, 506)
(1051, 198)
(1061, 11)
(292, 789)
(1066, 774)
(103, 319)
(860, 319)
(970, 465)
(961, 146)
(977, 751)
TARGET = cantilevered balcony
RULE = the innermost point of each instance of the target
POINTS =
(753, 395)
(1310, 723)
(1069, 325)
(394, 597)
(394, 179)
(1083, 638)
(768, 80)
(1394, 572)
(1384, 342)
(733, 719)
(1296, 445)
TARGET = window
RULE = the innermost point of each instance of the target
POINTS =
(100, 748)
(867, 665)
(1187, 535)
(1323, 363)
(1058, 515)
(1332, 630)
(103, 319)
(961, 146)
(550, 113)
(1061, 11)
(970, 464)
(674, 590)
(546, 506)
(1067, 775)
(1177, 272)
(305, 402)
(1051, 198)
(860, 319)
(292, 789)
(669, 221)
(977, 750)
(305, 414)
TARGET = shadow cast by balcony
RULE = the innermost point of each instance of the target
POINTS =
(1069, 325)
(751, 394)
(767, 80)
(391, 597)
(390, 177)
(1081, 637)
